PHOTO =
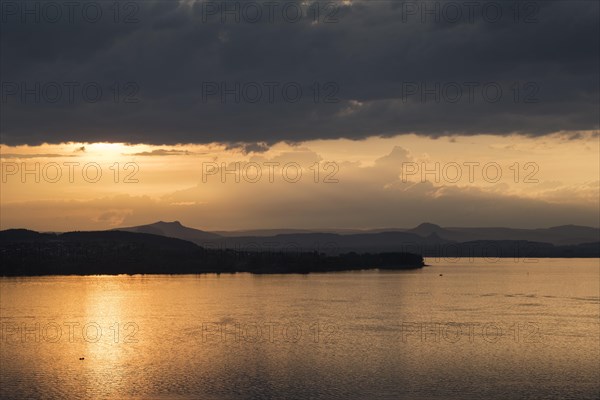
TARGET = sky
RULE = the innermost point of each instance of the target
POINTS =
(346, 114)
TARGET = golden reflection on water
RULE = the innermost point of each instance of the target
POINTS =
(104, 353)
(194, 336)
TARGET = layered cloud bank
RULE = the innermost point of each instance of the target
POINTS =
(167, 72)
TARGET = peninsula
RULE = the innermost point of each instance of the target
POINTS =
(29, 253)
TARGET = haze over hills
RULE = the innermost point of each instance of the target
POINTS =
(558, 235)
(425, 233)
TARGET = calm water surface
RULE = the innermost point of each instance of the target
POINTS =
(501, 330)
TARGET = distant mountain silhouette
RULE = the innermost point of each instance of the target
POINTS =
(427, 238)
(330, 243)
(559, 235)
(169, 247)
(173, 229)
(426, 229)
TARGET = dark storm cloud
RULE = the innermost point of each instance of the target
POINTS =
(163, 152)
(247, 148)
(364, 69)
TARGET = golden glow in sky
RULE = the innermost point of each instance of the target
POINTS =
(377, 182)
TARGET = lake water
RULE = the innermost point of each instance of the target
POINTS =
(482, 330)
